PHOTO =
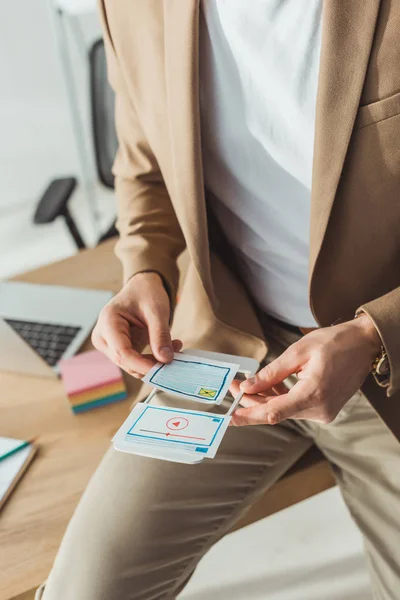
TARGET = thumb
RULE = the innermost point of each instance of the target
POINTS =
(160, 337)
(274, 373)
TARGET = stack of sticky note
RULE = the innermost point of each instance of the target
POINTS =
(91, 380)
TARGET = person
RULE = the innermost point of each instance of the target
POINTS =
(260, 141)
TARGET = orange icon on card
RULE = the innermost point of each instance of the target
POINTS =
(177, 424)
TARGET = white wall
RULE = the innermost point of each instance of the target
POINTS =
(33, 113)
(37, 144)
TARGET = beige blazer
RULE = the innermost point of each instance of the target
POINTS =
(152, 52)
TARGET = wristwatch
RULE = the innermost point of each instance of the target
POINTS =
(380, 367)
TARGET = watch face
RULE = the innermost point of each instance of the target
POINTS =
(383, 367)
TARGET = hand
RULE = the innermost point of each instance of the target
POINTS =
(137, 315)
(331, 364)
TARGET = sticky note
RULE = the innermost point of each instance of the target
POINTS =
(91, 380)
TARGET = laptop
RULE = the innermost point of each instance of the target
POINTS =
(43, 324)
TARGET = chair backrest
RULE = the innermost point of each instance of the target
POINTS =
(102, 109)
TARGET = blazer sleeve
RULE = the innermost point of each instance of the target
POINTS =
(150, 235)
(384, 312)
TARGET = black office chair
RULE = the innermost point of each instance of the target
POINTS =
(102, 110)
(54, 202)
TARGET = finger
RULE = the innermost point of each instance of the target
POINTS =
(249, 399)
(160, 337)
(280, 388)
(177, 345)
(142, 362)
(116, 334)
(257, 414)
(98, 341)
(235, 389)
(274, 373)
(304, 401)
(101, 345)
(151, 361)
(289, 406)
(135, 375)
(279, 408)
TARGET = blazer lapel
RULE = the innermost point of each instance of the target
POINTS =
(347, 36)
(181, 27)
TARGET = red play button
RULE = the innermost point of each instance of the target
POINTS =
(177, 424)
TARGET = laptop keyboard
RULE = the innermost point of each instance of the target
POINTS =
(48, 340)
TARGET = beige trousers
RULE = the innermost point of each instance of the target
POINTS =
(143, 524)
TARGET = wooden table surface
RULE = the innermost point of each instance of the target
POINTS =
(70, 446)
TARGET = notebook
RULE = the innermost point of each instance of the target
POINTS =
(15, 457)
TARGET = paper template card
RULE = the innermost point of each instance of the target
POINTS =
(194, 378)
(184, 430)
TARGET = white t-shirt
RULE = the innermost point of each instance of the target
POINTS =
(259, 64)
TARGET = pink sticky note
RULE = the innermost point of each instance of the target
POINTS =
(88, 370)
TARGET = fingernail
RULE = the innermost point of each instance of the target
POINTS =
(166, 353)
(247, 383)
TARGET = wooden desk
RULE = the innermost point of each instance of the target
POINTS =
(34, 520)
(70, 447)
